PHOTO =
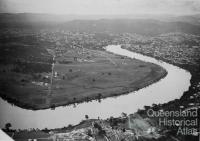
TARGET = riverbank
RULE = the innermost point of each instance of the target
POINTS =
(188, 101)
(126, 127)
(160, 92)
(193, 68)
(107, 75)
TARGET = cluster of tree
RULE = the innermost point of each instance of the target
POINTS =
(101, 132)
(115, 121)
(8, 128)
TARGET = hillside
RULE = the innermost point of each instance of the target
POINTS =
(120, 24)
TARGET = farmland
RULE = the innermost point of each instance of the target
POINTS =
(79, 75)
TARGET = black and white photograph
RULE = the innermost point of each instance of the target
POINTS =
(99, 70)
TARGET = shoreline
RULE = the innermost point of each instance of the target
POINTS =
(128, 100)
(69, 129)
(159, 75)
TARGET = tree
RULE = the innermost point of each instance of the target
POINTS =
(124, 114)
(147, 107)
(70, 126)
(99, 97)
(86, 117)
(53, 106)
(46, 130)
(7, 126)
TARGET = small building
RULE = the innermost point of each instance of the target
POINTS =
(55, 74)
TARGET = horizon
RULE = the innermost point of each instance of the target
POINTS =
(144, 14)
(103, 7)
(118, 16)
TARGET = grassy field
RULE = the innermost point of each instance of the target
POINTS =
(78, 76)
(106, 76)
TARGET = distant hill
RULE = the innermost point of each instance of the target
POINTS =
(146, 25)
(139, 26)
(192, 19)
(30, 17)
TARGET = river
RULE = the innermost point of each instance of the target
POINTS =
(169, 88)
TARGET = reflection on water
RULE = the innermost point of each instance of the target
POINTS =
(172, 86)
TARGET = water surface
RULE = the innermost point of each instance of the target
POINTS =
(169, 88)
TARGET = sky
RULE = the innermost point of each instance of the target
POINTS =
(101, 7)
